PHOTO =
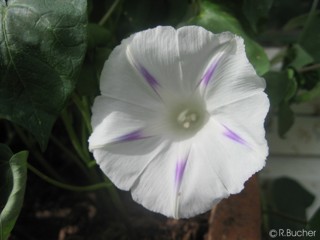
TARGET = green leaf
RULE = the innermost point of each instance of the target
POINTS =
(13, 177)
(276, 82)
(281, 86)
(297, 22)
(311, 38)
(88, 83)
(100, 57)
(256, 12)
(42, 44)
(285, 118)
(314, 223)
(298, 57)
(97, 36)
(308, 80)
(306, 96)
(215, 19)
(288, 200)
(292, 86)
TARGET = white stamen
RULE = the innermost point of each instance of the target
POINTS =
(187, 118)
(186, 124)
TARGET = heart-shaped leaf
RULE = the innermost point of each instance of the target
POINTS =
(42, 45)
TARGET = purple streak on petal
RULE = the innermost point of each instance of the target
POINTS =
(180, 167)
(148, 77)
(209, 73)
(233, 136)
(135, 135)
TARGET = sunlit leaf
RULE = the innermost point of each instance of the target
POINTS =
(216, 19)
(13, 175)
(42, 44)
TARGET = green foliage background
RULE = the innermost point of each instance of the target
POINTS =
(52, 53)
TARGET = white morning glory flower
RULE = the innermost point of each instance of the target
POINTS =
(180, 119)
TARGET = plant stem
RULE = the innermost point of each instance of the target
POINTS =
(309, 20)
(68, 186)
(84, 155)
(109, 12)
(310, 68)
(38, 156)
(69, 154)
(83, 111)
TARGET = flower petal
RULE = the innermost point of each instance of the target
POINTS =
(116, 121)
(124, 162)
(147, 167)
(156, 55)
(244, 120)
(200, 51)
(234, 79)
(201, 187)
(233, 136)
(158, 186)
(141, 70)
(231, 161)
(224, 154)
(121, 81)
(216, 168)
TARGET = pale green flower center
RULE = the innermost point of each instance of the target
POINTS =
(188, 119)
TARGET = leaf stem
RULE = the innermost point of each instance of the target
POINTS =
(68, 186)
(84, 155)
(69, 154)
(310, 68)
(38, 156)
(109, 12)
(82, 107)
(309, 20)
